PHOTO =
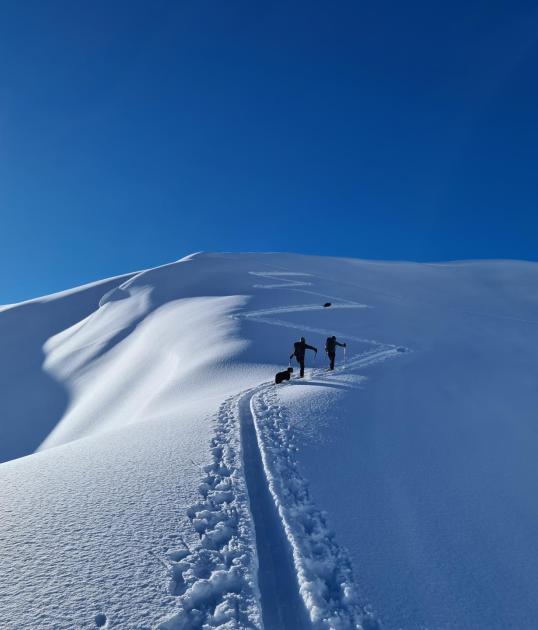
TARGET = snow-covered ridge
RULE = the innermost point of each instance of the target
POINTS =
(176, 487)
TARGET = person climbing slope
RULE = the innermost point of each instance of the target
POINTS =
(330, 349)
(299, 348)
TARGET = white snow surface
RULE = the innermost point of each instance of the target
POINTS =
(175, 487)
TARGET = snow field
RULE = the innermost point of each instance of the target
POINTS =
(176, 487)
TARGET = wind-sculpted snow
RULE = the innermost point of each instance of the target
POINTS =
(32, 401)
(178, 488)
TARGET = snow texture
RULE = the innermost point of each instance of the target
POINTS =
(174, 486)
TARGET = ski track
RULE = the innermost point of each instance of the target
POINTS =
(282, 606)
(296, 308)
(337, 303)
(324, 574)
(266, 558)
(283, 277)
(216, 582)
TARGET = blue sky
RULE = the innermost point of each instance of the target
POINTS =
(133, 133)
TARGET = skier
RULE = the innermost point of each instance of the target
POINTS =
(330, 349)
(299, 348)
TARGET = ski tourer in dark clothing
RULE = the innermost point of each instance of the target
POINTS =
(330, 349)
(299, 348)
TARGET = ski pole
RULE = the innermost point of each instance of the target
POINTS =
(345, 348)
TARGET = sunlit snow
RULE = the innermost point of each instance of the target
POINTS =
(175, 486)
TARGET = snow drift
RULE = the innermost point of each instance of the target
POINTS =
(174, 486)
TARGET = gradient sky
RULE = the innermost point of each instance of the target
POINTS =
(133, 133)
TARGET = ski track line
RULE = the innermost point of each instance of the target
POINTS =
(323, 572)
(216, 582)
(260, 315)
(292, 284)
(281, 602)
(320, 331)
(295, 308)
(266, 558)
(281, 276)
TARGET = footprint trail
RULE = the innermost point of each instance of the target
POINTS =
(266, 557)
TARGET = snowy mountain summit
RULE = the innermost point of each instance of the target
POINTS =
(155, 477)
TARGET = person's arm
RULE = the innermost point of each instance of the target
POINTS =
(311, 348)
(342, 345)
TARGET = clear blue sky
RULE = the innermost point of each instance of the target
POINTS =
(133, 133)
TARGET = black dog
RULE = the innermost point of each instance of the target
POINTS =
(283, 376)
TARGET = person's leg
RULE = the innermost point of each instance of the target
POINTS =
(332, 356)
(301, 362)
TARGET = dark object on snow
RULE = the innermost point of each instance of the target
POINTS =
(283, 376)
(330, 349)
(326, 304)
(401, 349)
(299, 348)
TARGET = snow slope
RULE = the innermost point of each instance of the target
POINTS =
(24, 328)
(176, 487)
